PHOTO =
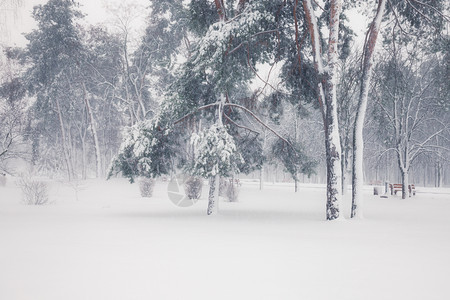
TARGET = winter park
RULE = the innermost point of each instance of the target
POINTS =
(212, 149)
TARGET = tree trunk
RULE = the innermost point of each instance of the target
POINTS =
(261, 178)
(94, 133)
(439, 178)
(64, 142)
(83, 154)
(405, 183)
(220, 7)
(344, 171)
(214, 181)
(334, 184)
(358, 141)
(327, 91)
(334, 172)
(213, 198)
(84, 160)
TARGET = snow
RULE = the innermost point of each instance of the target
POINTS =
(101, 240)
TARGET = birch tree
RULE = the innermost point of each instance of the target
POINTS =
(13, 109)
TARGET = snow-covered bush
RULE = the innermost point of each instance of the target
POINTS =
(215, 153)
(146, 186)
(229, 189)
(193, 187)
(223, 185)
(34, 192)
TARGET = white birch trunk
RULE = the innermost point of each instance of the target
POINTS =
(358, 141)
(334, 171)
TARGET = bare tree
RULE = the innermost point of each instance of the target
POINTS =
(13, 109)
(411, 110)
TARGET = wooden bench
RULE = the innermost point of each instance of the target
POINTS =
(398, 187)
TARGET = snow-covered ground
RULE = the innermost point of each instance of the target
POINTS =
(101, 240)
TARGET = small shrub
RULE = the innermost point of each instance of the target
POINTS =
(146, 186)
(34, 192)
(223, 186)
(193, 186)
(232, 192)
(229, 189)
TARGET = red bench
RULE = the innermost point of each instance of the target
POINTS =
(398, 187)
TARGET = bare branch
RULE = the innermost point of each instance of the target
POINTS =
(260, 122)
(240, 126)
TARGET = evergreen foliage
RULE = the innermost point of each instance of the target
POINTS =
(147, 151)
(215, 153)
(294, 160)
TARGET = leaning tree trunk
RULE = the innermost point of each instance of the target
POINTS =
(213, 198)
(358, 141)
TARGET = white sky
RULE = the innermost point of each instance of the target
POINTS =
(96, 12)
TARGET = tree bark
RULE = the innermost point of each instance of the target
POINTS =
(213, 198)
(64, 141)
(334, 172)
(358, 141)
(94, 133)
(328, 93)
(221, 9)
(405, 183)
(261, 178)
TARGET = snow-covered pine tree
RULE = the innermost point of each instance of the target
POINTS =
(54, 52)
(216, 156)
(148, 150)
(294, 159)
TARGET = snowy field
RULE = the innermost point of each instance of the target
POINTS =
(101, 240)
